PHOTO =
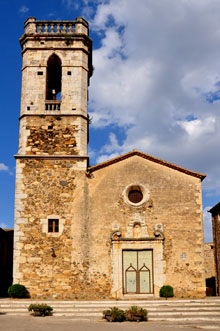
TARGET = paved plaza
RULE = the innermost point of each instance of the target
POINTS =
(52, 323)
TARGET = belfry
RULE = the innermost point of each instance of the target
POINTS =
(124, 227)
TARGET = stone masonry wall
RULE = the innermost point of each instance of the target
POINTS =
(174, 201)
(50, 188)
(209, 260)
(74, 98)
(90, 209)
(52, 182)
(216, 241)
(53, 135)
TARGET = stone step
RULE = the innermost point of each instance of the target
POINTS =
(156, 317)
(104, 306)
(150, 309)
(113, 303)
(187, 319)
(161, 300)
(93, 308)
(158, 310)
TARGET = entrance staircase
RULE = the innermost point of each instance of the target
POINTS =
(158, 310)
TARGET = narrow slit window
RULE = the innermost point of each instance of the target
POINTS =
(53, 225)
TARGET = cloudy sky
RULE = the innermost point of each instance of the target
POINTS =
(156, 84)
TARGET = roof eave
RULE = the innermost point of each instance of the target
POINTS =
(148, 157)
(214, 208)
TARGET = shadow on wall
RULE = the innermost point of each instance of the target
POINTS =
(6, 260)
(210, 286)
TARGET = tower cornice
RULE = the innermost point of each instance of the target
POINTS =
(55, 114)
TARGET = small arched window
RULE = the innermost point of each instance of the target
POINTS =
(54, 75)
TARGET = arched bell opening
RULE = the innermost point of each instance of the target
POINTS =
(54, 78)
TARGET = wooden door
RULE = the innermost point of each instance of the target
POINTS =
(137, 271)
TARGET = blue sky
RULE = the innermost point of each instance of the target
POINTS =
(156, 84)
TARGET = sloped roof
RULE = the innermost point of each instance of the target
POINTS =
(214, 209)
(147, 157)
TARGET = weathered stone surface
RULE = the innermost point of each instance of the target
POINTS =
(174, 201)
(86, 259)
(215, 211)
(209, 260)
(98, 222)
(51, 140)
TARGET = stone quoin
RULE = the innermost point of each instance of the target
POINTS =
(126, 226)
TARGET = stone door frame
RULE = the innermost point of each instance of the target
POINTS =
(119, 244)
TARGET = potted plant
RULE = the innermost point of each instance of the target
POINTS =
(40, 309)
(114, 314)
(136, 314)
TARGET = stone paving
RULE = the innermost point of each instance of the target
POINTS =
(26, 323)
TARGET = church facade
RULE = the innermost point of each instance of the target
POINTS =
(121, 228)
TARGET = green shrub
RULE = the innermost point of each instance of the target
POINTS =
(17, 291)
(136, 314)
(114, 314)
(166, 291)
(132, 314)
(40, 309)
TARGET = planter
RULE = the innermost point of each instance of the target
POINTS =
(135, 314)
(135, 318)
(40, 309)
(108, 318)
(37, 313)
(114, 314)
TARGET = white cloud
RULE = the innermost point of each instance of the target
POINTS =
(5, 168)
(110, 150)
(197, 128)
(23, 9)
(3, 225)
(113, 146)
(74, 4)
(158, 65)
(207, 221)
(106, 157)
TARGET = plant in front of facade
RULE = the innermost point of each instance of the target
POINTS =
(114, 314)
(136, 314)
(17, 291)
(40, 309)
(166, 291)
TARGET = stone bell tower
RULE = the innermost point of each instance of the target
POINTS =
(52, 159)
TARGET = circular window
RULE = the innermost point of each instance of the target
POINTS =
(135, 196)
